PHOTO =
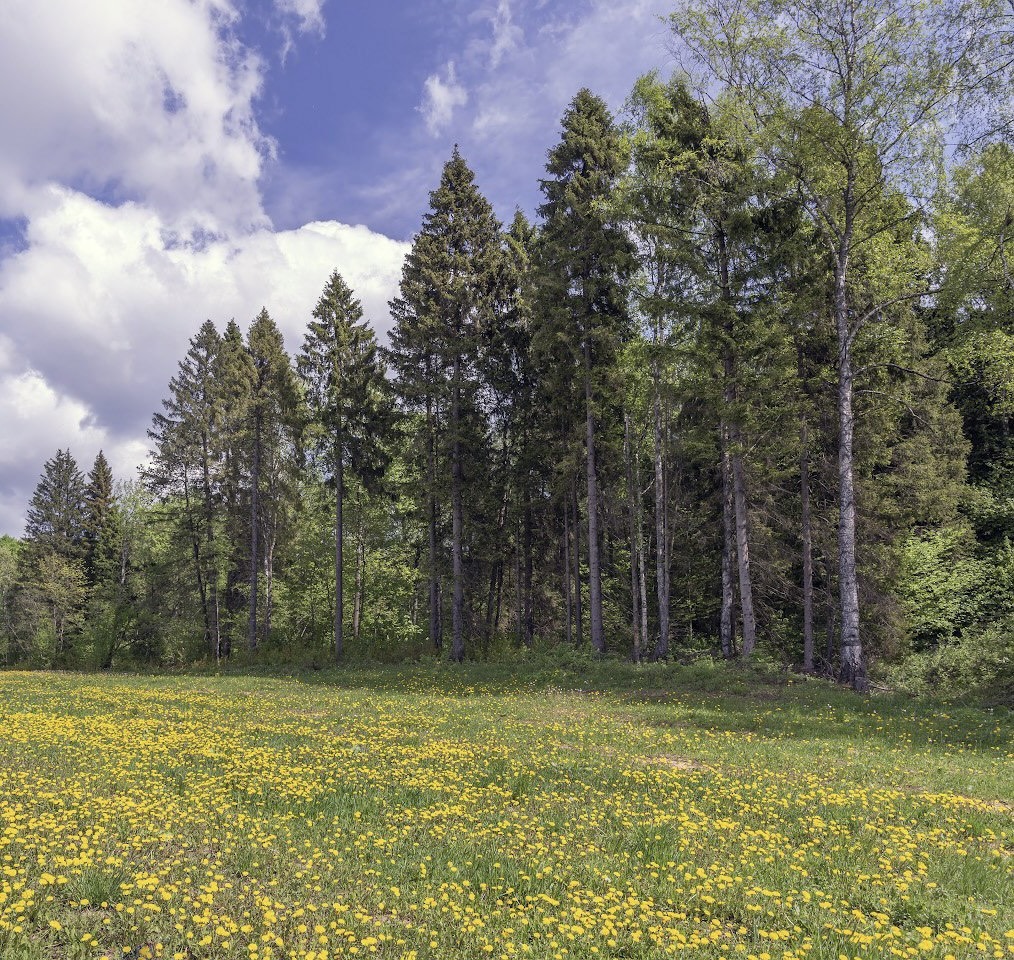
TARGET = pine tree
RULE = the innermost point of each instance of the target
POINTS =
(585, 261)
(347, 401)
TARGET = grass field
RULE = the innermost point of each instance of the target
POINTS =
(440, 813)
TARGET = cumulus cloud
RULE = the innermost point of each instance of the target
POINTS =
(131, 167)
(442, 95)
(132, 99)
(100, 305)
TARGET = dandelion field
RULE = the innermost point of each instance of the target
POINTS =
(445, 814)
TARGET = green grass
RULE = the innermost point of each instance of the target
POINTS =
(430, 811)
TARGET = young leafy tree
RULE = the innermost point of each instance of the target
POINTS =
(585, 262)
(347, 400)
(844, 96)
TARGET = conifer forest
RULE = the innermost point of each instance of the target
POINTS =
(742, 387)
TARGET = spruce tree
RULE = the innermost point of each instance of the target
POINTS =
(585, 262)
(57, 518)
(347, 402)
(99, 526)
(271, 418)
(183, 469)
(453, 286)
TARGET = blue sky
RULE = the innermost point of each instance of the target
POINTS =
(349, 109)
(166, 161)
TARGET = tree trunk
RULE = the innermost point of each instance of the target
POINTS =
(641, 567)
(804, 484)
(434, 587)
(518, 600)
(568, 599)
(576, 563)
(661, 527)
(457, 567)
(357, 605)
(529, 574)
(339, 536)
(743, 553)
(733, 438)
(209, 537)
(727, 627)
(635, 619)
(598, 640)
(269, 582)
(499, 599)
(496, 573)
(195, 539)
(853, 667)
(255, 480)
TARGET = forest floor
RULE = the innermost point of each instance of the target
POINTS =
(454, 813)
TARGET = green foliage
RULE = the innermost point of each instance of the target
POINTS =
(709, 391)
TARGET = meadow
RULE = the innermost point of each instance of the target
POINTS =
(447, 813)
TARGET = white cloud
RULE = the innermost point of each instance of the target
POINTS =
(100, 305)
(442, 95)
(507, 36)
(132, 157)
(147, 99)
(309, 14)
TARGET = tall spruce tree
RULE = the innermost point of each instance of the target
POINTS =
(585, 262)
(270, 423)
(348, 403)
(100, 523)
(183, 468)
(57, 517)
(453, 285)
(232, 441)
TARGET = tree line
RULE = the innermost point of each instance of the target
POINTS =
(746, 382)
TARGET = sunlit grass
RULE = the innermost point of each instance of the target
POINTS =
(432, 813)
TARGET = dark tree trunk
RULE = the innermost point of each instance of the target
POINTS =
(434, 586)
(807, 536)
(727, 629)
(641, 564)
(529, 575)
(339, 536)
(598, 639)
(566, 579)
(209, 537)
(255, 481)
(576, 563)
(195, 540)
(518, 599)
(635, 619)
(457, 566)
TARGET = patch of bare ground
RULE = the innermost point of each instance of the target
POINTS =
(674, 762)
